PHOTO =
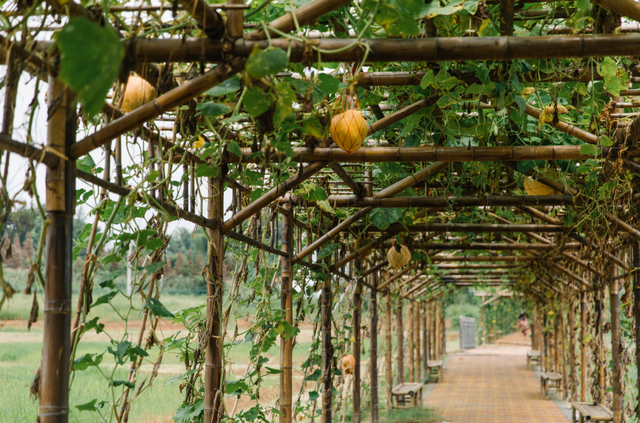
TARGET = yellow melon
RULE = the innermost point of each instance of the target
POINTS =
(398, 256)
(348, 130)
(137, 93)
(534, 187)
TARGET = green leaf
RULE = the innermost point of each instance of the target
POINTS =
(327, 250)
(412, 141)
(266, 62)
(313, 395)
(211, 109)
(605, 141)
(235, 148)
(157, 308)
(614, 80)
(236, 387)
(286, 330)
(398, 17)
(227, 87)
(587, 150)
(428, 80)
(328, 83)
(92, 405)
(521, 103)
(106, 298)
(90, 60)
(383, 218)
(86, 164)
(284, 104)
(313, 377)
(128, 384)
(204, 170)
(256, 101)
(488, 29)
(87, 361)
(434, 8)
(187, 413)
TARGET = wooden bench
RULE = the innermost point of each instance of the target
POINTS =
(590, 412)
(406, 395)
(549, 379)
(532, 356)
(435, 369)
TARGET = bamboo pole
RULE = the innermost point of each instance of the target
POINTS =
(636, 300)
(628, 8)
(327, 351)
(467, 227)
(416, 308)
(447, 202)
(388, 347)
(286, 304)
(401, 114)
(213, 371)
(357, 188)
(400, 330)
(425, 154)
(394, 50)
(387, 192)
(571, 321)
(489, 246)
(12, 79)
(396, 276)
(357, 346)
(425, 342)
(360, 252)
(60, 202)
(569, 129)
(583, 346)
(373, 350)
(208, 19)
(479, 266)
(235, 17)
(275, 192)
(412, 362)
(483, 258)
(616, 352)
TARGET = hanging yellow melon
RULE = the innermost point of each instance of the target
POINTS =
(398, 256)
(534, 187)
(348, 130)
(137, 93)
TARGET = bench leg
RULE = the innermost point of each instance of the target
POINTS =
(573, 415)
(440, 374)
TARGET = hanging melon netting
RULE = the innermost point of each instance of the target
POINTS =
(348, 130)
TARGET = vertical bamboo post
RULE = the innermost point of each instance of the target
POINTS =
(616, 353)
(544, 353)
(483, 324)
(434, 330)
(327, 351)
(425, 341)
(412, 376)
(60, 201)
(400, 343)
(213, 393)
(388, 350)
(600, 341)
(563, 351)
(636, 298)
(416, 307)
(443, 344)
(357, 345)
(583, 346)
(234, 20)
(556, 340)
(428, 318)
(572, 346)
(286, 303)
(373, 355)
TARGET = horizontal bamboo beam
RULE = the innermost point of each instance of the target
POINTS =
(428, 154)
(446, 202)
(572, 275)
(468, 227)
(279, 190)
(28, 151)
(402, 113)
(208, 19)
(415, 288)
(361, 252)
(628, 8)
(404, 271)
(478, 266)
(254, 243)
(492, 247)
(567, 128)
(484, 259)
(387, 192)
(398, 49)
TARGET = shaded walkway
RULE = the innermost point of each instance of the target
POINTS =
(492, 385)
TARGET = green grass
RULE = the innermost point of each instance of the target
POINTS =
(411, 415)
(17, 406)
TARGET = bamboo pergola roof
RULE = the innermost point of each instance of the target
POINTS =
(465, 105)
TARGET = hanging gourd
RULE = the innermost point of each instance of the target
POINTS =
(533, 187)
(348, 364)
(398, 256)
(137, 93)
(348, 130)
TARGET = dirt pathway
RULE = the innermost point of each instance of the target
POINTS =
(492, 385)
